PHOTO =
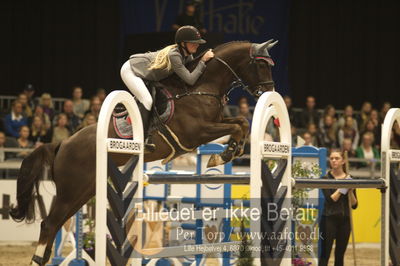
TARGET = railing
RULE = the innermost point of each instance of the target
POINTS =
(6, 102)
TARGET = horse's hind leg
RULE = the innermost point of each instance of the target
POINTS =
(61, 211)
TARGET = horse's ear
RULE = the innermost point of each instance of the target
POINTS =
(270, 45)
(260, 49)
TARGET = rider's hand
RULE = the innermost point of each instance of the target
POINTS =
(207, 56)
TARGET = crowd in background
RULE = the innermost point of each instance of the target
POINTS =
(32, 121)
(357, 132)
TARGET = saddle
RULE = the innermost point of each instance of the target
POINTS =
(162, 113)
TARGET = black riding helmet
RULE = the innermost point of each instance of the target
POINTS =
(188, 34)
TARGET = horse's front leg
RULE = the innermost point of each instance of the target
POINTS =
(245, 126)
(211, 131)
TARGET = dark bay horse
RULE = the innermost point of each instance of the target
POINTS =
(197, 120)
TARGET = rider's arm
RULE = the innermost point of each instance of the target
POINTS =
(179, 68)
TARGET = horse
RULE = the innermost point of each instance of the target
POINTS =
(197, 120)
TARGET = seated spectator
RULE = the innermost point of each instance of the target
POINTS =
(29, 91)
(292, 114)
(366, 150)
(331, 111)
(327, 134)
(24, 142)
(347, 145)
(15, 120)
(60, 130)
(395, 137)
(244, 110)
(310, 114)
(39, 133)
(39, 112)
(348, 111)
(95, 106)
(349, 132)
(371, 127)
(26, 109)
(102, 94)
(313, 131)
(385, 108)
(87, 121)
(307, 139)
(364, 115)
(47, 105)
(80, 105)
(73, 120)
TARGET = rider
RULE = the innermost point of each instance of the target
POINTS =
(155, 66)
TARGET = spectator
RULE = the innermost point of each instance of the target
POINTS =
(24, 142)
(39, 132)
(348, 111)
(385, 108)
(80, 105)
(244, 110)
(95, 106)
(73, 120)
(331, 111)
(26, 109)
(349, 132)
(370, 127)
(89, 119)
(29, 91)
(102, 94)
(347, 146)
(47, 105)
(366, 150)
(327, 134)
(15, 120)
(313, 131)
(309, 115)
(39, 112)
(292, 114)
(60, 130)
(364, 115)
(395, 137)
(189, 17)
(307, 139)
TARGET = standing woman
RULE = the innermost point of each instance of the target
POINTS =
(155, 66)
(335, 222)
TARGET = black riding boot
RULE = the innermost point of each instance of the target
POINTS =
(146, 119)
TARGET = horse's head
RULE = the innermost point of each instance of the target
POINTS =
(257, 75)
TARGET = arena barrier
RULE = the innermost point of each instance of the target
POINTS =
(125, 194)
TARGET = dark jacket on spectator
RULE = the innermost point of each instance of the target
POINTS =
(12, 126)
(306, 117)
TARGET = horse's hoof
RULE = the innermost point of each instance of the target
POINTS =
(215, 160)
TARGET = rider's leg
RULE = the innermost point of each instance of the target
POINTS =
(139, 89)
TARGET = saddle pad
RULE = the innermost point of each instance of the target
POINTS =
(123, 124)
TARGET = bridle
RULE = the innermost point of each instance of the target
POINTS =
(255, 90)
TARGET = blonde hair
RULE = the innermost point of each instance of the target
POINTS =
(46, 96)
(162, 59)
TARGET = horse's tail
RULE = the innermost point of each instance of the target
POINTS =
(28, 177)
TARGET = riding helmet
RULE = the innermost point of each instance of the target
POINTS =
(188, 34)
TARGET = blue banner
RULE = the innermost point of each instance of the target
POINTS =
(253, 20)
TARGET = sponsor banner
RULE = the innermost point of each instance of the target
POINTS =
(395, 155)
(275, 149)
(124, 146)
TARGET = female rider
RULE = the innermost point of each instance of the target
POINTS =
(155, 66)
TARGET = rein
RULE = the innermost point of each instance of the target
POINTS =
(238, 82)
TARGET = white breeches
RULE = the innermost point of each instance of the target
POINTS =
(136, 86)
